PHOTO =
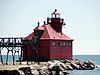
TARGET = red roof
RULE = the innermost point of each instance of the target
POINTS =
(30, 36)
(39, 28)
(49, 33)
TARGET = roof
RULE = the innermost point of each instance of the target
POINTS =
(30, 36)
(55, 35)
(39, 28)
(49, 33)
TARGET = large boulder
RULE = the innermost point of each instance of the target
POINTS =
(36, 66)
(68, 66)
(87, 65)
(75, 66)
(44, 64)
(92, 65)
(57, 67)
(57, 64)
(34, 72)
(21, 72)
(44, 70)
(26, 70)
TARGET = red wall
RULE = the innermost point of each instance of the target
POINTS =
(44, 49)
(27, 54)
(51, 49)
(61, 50)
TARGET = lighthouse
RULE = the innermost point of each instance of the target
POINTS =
(48, 41)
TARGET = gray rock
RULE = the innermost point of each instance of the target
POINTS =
(34, 72)
(75, 66)
(21, 72)
(56, 67)
(36, 66)
(68, 67)
(26, 70)
(44, 72)
(92, 65)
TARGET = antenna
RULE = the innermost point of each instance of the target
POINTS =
(38, 23)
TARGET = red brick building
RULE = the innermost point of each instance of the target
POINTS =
(53, 43)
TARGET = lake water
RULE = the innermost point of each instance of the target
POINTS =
(94, 58)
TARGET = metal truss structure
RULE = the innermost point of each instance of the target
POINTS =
(12, 45)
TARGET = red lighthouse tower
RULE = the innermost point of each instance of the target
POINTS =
(49, 42)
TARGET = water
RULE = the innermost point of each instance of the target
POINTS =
(94, 58)
(85, 72)
(10, 59)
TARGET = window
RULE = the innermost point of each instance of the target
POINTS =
(69, 43)
(55, 15)
(58, 15)
(64, 44)
(53, 43)
(61, 43)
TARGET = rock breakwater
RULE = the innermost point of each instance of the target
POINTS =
(53, 67)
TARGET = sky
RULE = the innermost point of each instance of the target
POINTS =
(18, 18)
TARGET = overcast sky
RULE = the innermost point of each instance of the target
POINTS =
(18, 18)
